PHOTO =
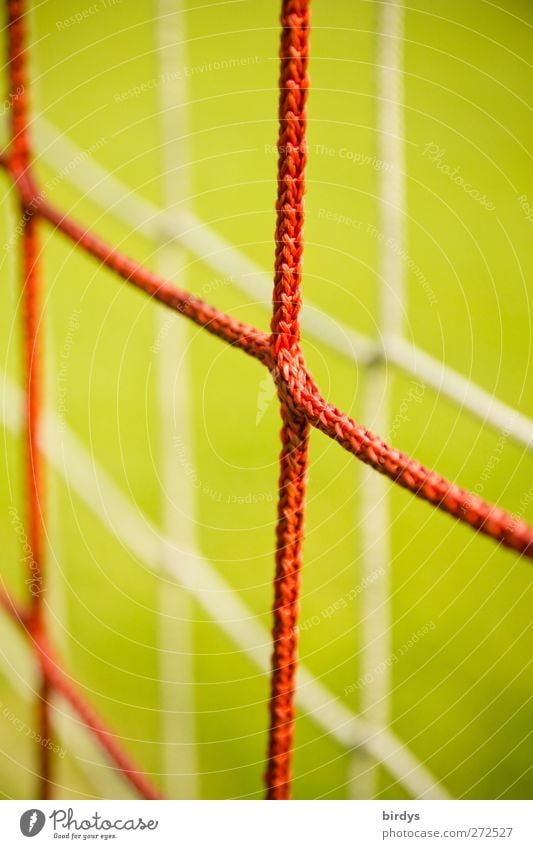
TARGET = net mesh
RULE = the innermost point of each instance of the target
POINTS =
(301, 404)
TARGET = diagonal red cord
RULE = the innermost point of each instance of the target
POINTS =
(18, 83)
(236, 333)
(302, 394)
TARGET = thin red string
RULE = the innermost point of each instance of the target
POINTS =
(302, 405)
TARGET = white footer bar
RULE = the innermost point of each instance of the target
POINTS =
(243, 824)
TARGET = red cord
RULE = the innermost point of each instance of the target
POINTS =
(19, 164)
(293, 83)
(31, 289)
(302, 405)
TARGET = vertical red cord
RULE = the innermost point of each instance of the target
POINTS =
(20, 159)
(18, 87)
(285, 338)
(289, 533)
(52, 676)
(34, 472)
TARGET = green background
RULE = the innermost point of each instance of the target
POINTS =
(460, 696)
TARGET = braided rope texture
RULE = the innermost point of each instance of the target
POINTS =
(285, 339)
(301, 404)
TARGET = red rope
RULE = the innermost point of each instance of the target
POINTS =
(19, 164)
(302, 405)
(31, 284)
(293, 83)
(18, 83)
(31, 287)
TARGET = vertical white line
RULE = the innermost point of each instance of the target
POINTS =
(392, 194)
(375, 517)
(179, 764)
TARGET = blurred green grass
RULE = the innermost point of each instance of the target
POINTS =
(461, 696)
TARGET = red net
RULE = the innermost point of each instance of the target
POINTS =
(301, 404)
